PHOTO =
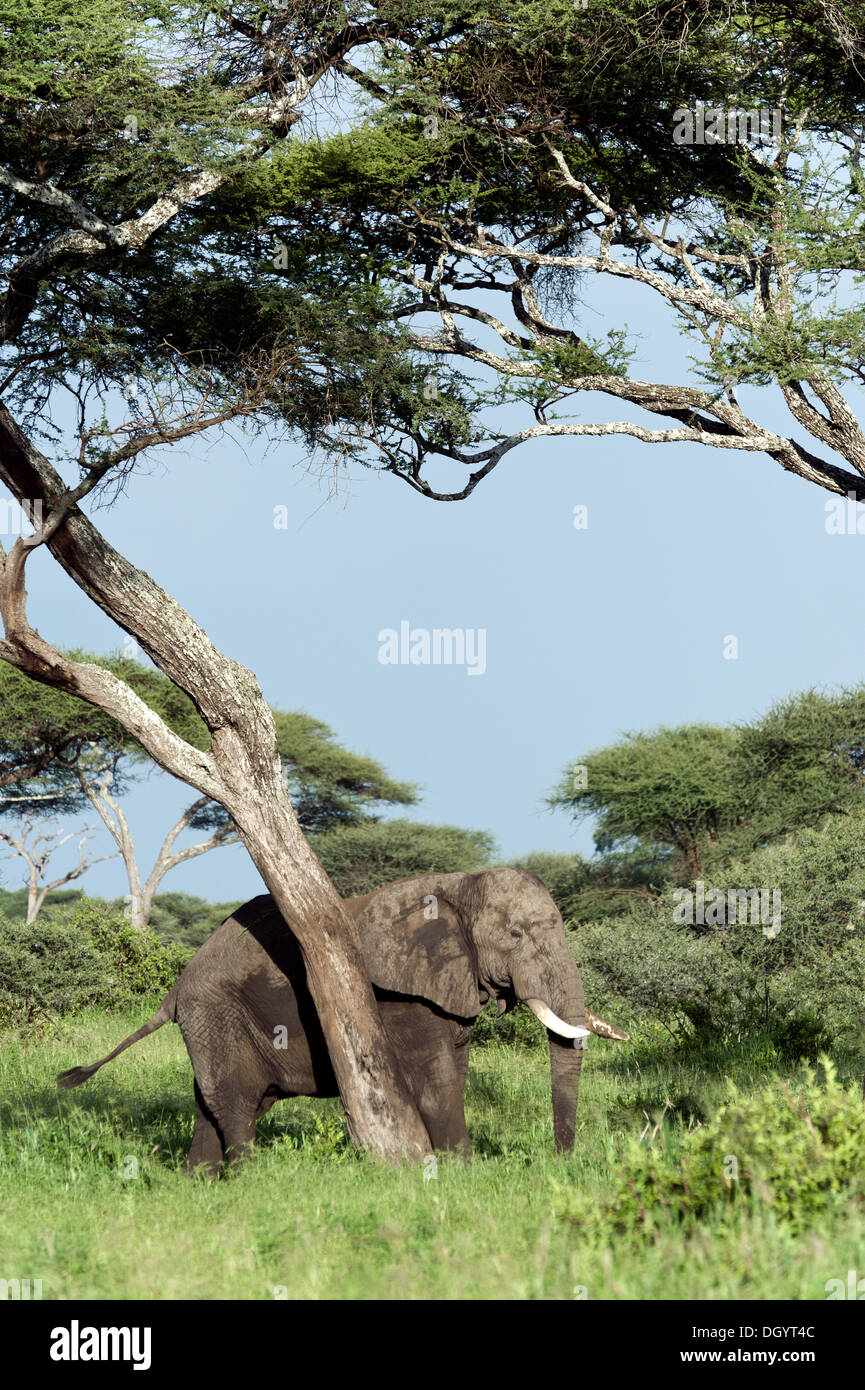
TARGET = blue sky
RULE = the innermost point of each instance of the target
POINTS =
(589, 632)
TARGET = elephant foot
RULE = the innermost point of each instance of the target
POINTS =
(203, 1167)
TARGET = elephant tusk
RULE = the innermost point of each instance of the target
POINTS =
(553, 1022)
(605, 1030)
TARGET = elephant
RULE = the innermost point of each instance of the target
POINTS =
(437, 948)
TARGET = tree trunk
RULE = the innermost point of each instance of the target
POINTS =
(241, 770)
(115, 822)
(168, 859)
(381, 1112)
(33, 903)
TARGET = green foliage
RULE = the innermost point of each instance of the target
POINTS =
(694, 798)
(785, 1147)
(363, 857)
(73, 75)
(178, 919)
(184, 920)
(13, 902)
(47, 734)
(675, 790)
(588, 890)
(517, 1028)
(80, 956)
(329, 785)
(113, 103)
(331, 788)
(805, 758)
(729, 980)
(485, 1230)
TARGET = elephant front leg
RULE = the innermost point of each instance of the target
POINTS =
(424, 1041)
(440, 1101)
(447, 1127)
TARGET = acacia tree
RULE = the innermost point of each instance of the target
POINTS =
(330, 787)
(694, 798)
(118, 123)
(709, 154)
(58, 753)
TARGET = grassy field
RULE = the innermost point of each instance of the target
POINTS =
(92, 1200)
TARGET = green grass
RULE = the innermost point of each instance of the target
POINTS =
(308, 1218)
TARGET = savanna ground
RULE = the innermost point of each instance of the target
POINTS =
(309, 1219)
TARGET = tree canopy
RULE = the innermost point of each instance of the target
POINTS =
(343, 285)
(363, 857)
(510, 152)
(693, 798)
(46, 734)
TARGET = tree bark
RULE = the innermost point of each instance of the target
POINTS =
(241, 770)
(115, 822)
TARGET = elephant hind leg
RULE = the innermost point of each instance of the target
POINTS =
(206, 1154)
(238, 1134)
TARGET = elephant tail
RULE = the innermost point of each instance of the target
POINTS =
(605, 1030)
(166, 1013)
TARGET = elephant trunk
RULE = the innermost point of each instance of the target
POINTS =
(566, 1059)
(565, 1063)
(558, 1003)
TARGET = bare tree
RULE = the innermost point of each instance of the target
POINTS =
(38, 851)
(111, 813)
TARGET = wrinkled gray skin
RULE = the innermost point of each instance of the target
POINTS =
(437, 948)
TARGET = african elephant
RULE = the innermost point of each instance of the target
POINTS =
(437, 948)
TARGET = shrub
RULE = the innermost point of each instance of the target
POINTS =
(517, 1027)
(589, 890)
(187, 920)
(801, 988)
(13, 902)
(785, 1147)
(84, 956)
(361, 858)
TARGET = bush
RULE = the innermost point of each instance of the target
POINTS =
(361, 858)
(187, 920)
(13, 902)
(519, 1027)
(589, 890)
(786, 1148)
(801, 988)
(179, 917)
(84, 956)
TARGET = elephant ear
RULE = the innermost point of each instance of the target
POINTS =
(413, 943)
